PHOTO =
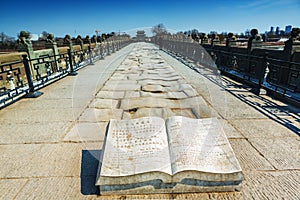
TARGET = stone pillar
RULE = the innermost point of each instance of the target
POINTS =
(25, 45)
(94, 39)
(203, 38)
(230, 40)
(87, 40)
(255, 40)
(51, 44)
(79, 41)
(215, 40)
(68, 42)
(293, 44)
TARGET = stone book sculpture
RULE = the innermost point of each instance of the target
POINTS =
(179, 155)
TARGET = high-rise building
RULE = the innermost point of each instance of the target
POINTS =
(277, 30)
(288, 29)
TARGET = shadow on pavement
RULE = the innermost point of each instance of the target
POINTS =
(88, 175)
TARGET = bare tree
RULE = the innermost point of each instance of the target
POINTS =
(2, 37)
(159, 29)
(44, 35)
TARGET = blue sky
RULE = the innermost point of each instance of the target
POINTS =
(84, 17)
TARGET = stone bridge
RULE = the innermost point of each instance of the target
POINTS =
(50, 145)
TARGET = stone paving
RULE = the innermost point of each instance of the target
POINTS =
(50, 145)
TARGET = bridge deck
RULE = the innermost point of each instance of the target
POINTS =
(50, 145)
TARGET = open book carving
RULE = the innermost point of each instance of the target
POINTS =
(150, 155)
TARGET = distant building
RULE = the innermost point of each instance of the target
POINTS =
(272, 29)
(277, 30)
(288, 29)
(140, 35)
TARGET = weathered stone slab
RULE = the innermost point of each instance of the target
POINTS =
(133, 76)
(54, 188)
(153, 77)
(122, 87)
(190, 93)
(128, 62)
(177, 95)
(46, 103)
(156, 95)
(11, 133)
(149, 102)
(40, 160)
(127, 115)
(158, 112)
(231, 131)
(119, 77)
(110, 94)
(261, 128)
(153, 88)
(9, 188)
(158, 82)
(192, 102)
(119, 82)
(104, 103)
(249, 158)
(132, 70)
(271, 185)
(185, 112)
(181, 87)
(24, 116)
(67, 92)
(84, 132)
(204, 111)
(132, 94)
(235, 109)
(100, 115)
(122, 67)
(163, 73)
(282, 153)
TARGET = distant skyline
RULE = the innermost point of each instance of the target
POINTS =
(84, 17)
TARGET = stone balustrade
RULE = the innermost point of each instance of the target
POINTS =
(276, 71)
(21, 74)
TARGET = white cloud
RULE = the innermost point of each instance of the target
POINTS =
(262, 4)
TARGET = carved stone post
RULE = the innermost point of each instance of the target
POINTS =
(204, 40)
(293, 44)
(87, 40)
(230, 40)
(51, 44)
(79, 41)
(255, 41)
(25, 45)
(215, 40)
(68, 42)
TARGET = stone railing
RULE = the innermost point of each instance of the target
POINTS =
(23, 73)
(278, 72)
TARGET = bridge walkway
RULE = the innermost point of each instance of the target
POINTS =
(50, 145)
